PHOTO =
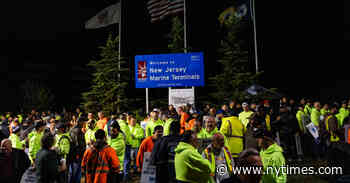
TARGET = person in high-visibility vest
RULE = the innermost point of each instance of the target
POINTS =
(218, 155)
(243, 116)
(15, 140)
(210, 128)
(117, 141)
(35, 140)
(155, 121)
(233, 130)
(332, 125)
(62, 140)
(198, 129)
(90, 133)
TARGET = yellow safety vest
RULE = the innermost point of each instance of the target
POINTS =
(268, 122)
(228, 158)
(233, 130)
(334, 137)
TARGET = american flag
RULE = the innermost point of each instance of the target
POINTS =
(159, 9)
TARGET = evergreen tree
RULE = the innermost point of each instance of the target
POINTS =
(110, 81)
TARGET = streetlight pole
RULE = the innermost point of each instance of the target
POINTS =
(255, 40)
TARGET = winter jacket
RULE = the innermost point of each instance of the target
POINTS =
(301, 117)
(272, 157)
(315, 116)
(150, 126)
(137, 135)
(35, 144)
(167, 126)
(190, 166)
(163, 155)
(118, 144)
(98, 163)
(126, 130)
(146, 146)
(243, 117)
(16, 142)
(233, 130)
(47, 163)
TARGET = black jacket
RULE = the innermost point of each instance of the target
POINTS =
(163, 156)
(47, 164)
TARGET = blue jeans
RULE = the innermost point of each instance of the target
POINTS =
(127, 161)
(74, 173)
(133, 156)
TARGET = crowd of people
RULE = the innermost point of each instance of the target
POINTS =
(183, 143)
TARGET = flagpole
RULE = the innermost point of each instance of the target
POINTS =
(255, 40)
(120, 44)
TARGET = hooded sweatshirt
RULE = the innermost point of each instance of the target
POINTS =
(190, 166)
(272, 157)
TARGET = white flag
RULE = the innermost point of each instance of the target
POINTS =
(107, 16)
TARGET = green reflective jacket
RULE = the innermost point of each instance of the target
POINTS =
(307, 110)
(63, 145)
(137, 135)
(300, 115)
(208, 135)
(272, 158)
(150, 126)
(201, 134)
(126, 130)
(315, 116)
(190, 166)
(16, 141)
(90, 135)
(167, 126)
(35, 144)
(118, 144)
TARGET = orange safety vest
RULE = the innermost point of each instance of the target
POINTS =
(96, 164)
(348, 135)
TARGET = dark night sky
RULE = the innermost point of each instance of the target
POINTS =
(293, 44)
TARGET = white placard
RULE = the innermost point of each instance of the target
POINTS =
(181, 97)
(148, 174)
(313, 130)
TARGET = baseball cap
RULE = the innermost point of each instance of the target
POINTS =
(245, 104)
(155, 110)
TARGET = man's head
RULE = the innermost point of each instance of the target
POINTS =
(317, 105)
(302, 101)
(344, 104)
(261, 111)
(100, 135)
(218, 141)
(164, 116)
(154, 115)
(39, 126)
(190, 137)
(284, 99)
(232, 103)
(180, 110)
(245, 106)
(158, 132)
(210, 123)
(334, 109)
(250, 158)
(224, 107)
(253, 106)
(212, 111)
(6, 145)
(326, 106)
(77, 110)
(263, 137)
(115, 129)
(90, 115)
(291, 101)
(91, 124)
(132, 120)
(122, 117)
(174, 128)
(61, 127)
(197, 125)
(101, 115)
(47, 141)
